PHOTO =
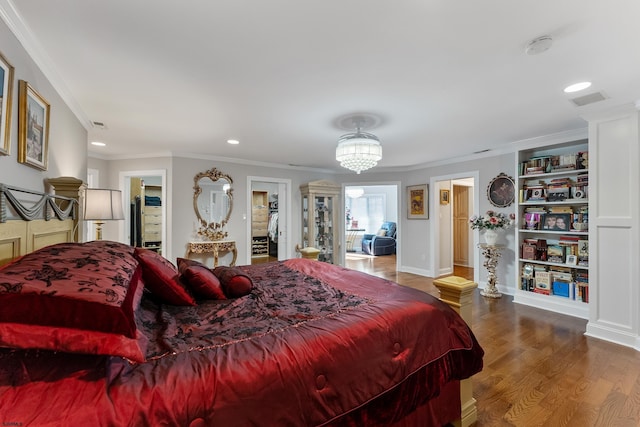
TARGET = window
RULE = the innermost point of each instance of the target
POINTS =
(368, 210)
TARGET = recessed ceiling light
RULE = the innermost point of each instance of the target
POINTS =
(233, 141)
(577, 87)
(98, 144)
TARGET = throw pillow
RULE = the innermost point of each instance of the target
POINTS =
(162, 278)
(235, 282)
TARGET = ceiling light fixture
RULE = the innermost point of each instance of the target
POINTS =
(233, 141)
(98, 143)
(577, 87)
(358, 151)
(354, 192)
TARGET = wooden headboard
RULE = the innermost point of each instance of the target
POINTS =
(48, 220)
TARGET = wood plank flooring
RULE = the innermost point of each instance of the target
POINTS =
(539, 367)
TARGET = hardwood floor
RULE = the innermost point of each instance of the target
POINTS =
(539, 367)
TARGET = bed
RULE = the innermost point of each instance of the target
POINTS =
(101, 333)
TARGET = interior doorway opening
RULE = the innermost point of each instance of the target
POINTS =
(145, 210)
(453, 246)
(367, 209)
(269, 219)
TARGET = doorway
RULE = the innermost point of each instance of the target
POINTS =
(454, 242)
(366, 208)
(145, 210)
(269, 219)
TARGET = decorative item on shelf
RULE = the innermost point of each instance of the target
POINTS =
(359, 151)
(501, 191)
(102, 205)
(490, 222)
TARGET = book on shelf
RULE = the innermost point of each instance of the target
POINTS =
(529, 251)
(583, 252)
(561, 209)
(561, 288)
(555, 253)
(543, 280)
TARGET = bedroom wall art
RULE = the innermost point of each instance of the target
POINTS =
(418, 201)
(6, 101)
(33, 127)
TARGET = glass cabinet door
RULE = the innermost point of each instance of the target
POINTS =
(319, 202)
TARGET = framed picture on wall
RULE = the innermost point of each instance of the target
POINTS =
(501, 191)
(444, 197)
(33, 127)
(6, 101)
(418, 201)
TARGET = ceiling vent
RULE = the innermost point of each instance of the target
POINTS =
(581, 101)
(99, 125)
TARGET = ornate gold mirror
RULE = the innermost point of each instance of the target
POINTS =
(212, 201)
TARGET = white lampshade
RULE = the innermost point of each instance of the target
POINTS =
(102, 204)
(358, 151)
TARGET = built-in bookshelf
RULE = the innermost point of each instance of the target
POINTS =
(553, 228)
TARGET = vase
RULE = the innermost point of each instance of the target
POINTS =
(490, 236)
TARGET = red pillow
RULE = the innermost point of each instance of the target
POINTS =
(162, 278)
(235, 282)
(184, 263)
(73, 297)
(203, 282)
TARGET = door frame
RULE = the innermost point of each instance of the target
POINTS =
(125, 187)
(434, 230)
(399, 200)
(284, 215)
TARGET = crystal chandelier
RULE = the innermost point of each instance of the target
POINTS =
(358, 151)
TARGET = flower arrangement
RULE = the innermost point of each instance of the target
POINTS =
(492, 220)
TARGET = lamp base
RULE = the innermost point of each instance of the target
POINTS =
(98, 229)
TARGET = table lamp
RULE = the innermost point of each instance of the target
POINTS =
(102, 205)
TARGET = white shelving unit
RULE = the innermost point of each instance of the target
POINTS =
(555, 188)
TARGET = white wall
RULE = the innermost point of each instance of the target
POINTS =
(67, 136)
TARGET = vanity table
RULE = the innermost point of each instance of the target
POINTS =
(491, 255)
(215, 248)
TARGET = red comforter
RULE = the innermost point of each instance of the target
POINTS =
(313, 344)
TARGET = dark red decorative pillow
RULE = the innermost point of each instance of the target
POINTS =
(203, 282)
(162, 278)
(235, 282)
(184, 263)
(73, 297)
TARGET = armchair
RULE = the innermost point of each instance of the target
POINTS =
(383, 243)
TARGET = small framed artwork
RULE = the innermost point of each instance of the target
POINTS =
(444, 197)
(33, 127)
(556, 222)
(418, 201)
(501, 191)
(572, 259)
(6, 101)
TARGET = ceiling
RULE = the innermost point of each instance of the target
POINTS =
(446, 78)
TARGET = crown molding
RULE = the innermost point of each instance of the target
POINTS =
(38, 54)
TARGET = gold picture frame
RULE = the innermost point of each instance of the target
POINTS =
(33, 127)
(418, 201)
(6, 102)
(444, 197)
